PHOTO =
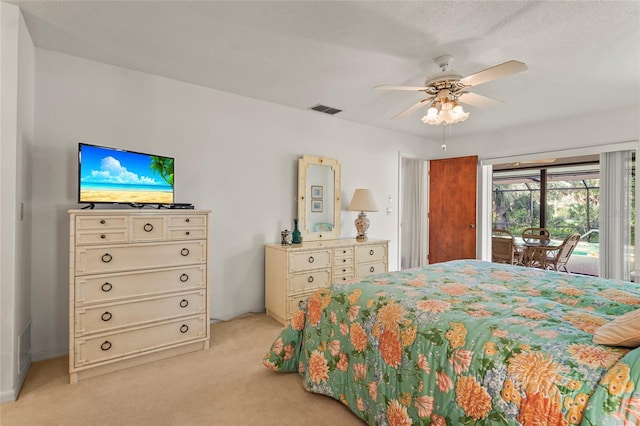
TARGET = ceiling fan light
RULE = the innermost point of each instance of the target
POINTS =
(430, 120)
(444, 112)
(462, 117)
(432, 112)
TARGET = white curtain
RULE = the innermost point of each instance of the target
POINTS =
(615, 215)
(414, 214)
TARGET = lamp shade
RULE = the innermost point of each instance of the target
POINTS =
(363, 201)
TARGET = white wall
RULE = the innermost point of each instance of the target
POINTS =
(234, 155)
(16, 123)
(607, 127)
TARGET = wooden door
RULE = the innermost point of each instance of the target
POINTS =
(452, 208)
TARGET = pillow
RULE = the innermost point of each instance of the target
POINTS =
(622, 331)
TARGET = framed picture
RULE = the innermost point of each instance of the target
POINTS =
(316, 206)
(316, 191)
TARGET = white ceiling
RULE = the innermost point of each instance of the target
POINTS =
(582, 56)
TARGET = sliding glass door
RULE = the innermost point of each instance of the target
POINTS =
(562, 198)
(566, 197)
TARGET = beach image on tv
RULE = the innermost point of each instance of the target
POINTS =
(114, 176)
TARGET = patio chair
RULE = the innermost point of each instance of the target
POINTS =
(536, 235)
(504, 248)
(558, 260)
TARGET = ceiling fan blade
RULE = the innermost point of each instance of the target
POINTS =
(412, 88)
(476, 100)
(494, 73)
(412, 108)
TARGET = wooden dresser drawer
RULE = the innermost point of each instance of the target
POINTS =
(370, 269)
(294, 302)
(117, 345)
(343, 274)
(371, 252)
(95, 260)
(194, 233)
(307, 281)
(147, 228)
(186, 220)
(342, 261)
(110, 287)
(343, 252)
(105, 236)
(100, 222)
(309, 260)
(118, 315)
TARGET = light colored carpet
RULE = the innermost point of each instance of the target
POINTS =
(224, 385)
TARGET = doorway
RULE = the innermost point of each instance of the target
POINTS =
(618, 235)
(437, 220)
(560, 195)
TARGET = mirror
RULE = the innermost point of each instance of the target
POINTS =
(318, 198)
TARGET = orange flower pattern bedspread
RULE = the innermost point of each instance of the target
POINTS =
(467, 343)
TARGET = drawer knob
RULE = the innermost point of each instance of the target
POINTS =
(372, 269)
(187, 233)
(106, 316)
(344, 278)
(311, 259)
(148, 227)
(102, 222)
(344, 260)
(103, 236)
(310, 279)
(184, 303)
(344, 252)
(344, 270)
(371, 252)
(184, 278)
(184, 252)
(184, 328)
(106, 287)
(187, 220)
(106, 345)
(106, 258)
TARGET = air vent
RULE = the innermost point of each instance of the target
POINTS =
(325, 109)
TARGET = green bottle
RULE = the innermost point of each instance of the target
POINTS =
(296, 238)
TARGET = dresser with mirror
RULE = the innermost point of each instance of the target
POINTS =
(293, 272)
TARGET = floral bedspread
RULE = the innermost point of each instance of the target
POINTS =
(467, 343)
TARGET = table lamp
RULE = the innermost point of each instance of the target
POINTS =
(363, 201)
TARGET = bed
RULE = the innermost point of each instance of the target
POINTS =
(467, 342)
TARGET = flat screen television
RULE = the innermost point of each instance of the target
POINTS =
(111, 175)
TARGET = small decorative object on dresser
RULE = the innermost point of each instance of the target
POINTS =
(286, 237)
(138, 287)
(363, 201)
(296, 237)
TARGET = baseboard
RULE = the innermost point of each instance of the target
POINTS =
(7, 396)
(49, 353)
(12, 395)
(229, 316)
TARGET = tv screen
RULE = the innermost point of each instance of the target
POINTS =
(111, 175)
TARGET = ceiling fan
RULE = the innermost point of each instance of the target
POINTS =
(445, 89)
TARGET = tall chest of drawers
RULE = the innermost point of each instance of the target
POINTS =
(138, 287)
(293, 272)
